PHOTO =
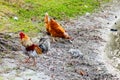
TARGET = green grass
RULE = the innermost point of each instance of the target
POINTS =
(1, 78)
(26, 10)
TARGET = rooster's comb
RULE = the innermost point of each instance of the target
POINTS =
(21, 34)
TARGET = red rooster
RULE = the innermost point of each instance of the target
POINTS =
(32, 50)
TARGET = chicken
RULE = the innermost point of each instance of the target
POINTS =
(32, 50)
(54, 28)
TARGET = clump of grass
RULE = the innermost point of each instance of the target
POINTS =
(30, 13)
(1, 78)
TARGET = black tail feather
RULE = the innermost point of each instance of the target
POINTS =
(44, 44)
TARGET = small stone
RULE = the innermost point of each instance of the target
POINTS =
(87, 14)
(70, 41)
(113, 29)
(15, 18)
(75, 53)
(81, 72)
(52, 69)
(115, 16)
(29, 79)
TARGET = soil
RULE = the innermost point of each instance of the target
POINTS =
(81, 59)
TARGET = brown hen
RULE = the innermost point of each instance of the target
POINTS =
(54, 28)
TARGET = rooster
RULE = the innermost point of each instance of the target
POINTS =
(54, 28)
(32, 50)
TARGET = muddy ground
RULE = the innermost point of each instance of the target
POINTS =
(88, 62)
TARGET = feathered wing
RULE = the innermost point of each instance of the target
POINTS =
(57, 30)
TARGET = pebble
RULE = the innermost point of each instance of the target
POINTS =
(87, 14)
(15, 18)
(75, 53)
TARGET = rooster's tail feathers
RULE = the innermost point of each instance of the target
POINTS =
(38, 50)
(44, 44)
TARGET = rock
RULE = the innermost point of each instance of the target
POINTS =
(15, 18)
(87, 14)
(115, 16)
(80, 72)
(113, 30)
(75, 53)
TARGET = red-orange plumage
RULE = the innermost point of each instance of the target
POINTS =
(55, 29)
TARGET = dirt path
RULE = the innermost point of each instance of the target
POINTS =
(90, 34)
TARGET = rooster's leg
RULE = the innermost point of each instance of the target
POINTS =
(27, 60)
(53, 40)
(34, 62)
